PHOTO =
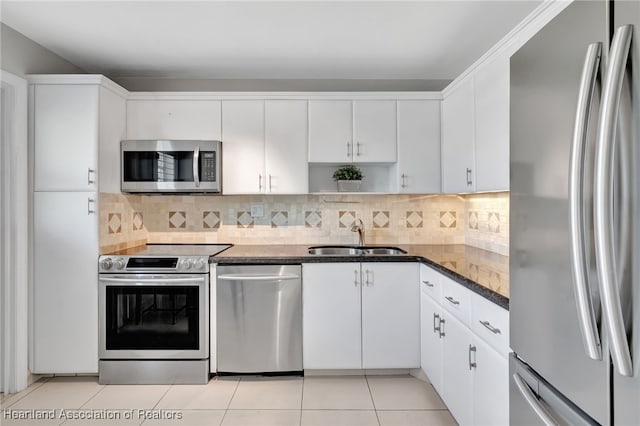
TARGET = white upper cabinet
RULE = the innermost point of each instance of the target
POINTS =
(374, 131)
(458, 130)
(65, 136)
(330, 131)
(359, 131)
(475, 131)
(243, 147)
(78, 123)
(492, 126)
(418, 169)
(174, 119)
(286, 135)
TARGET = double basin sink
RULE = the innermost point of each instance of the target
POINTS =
(356, 251)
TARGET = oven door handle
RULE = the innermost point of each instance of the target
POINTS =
(165, 281)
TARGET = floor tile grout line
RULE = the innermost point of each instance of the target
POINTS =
(102, 387)
(375, 410)
(163, 395)
(301, 401)
(229, 403)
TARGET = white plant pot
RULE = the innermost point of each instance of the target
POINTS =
(349, 185)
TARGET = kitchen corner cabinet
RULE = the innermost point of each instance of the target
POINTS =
(458, 140)
(465, 350)
(418, 167)
(358, 131)
(264, 147)
(360, 315)
(76, 126)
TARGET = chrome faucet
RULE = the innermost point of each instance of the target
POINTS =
(358, 227)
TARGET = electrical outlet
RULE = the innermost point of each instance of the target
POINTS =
(257, 210)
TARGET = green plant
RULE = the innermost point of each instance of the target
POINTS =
(349, 172)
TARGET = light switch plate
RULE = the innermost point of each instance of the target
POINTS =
(257, 210)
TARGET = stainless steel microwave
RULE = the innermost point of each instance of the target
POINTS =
(170, 166)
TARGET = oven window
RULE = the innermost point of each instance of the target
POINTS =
(162, 317)
(154, 166)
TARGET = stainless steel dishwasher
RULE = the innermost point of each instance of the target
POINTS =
(259, 318)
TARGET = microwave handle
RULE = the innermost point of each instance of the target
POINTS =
(196, 166)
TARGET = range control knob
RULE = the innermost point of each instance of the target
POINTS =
(118, 263)
(186, 264)
(199, 265)
(106, 263)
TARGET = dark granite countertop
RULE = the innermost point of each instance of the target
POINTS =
(481, 271)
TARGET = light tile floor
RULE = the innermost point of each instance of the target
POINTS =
(227, 401)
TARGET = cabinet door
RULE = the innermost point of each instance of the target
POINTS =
(457, 389)
(243, 147)
(332, 316)
(374, 124)
(286, 145)
(173, 119)
(490, 386)
(431, 342)
(330, 132)
(113, 119)
(65, 282)
(65, 136)
(457, 139)
(492, 126)
(390, 315)
(418, 147)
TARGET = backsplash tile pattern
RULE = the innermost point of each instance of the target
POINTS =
(115, 223)
(308, 219)
(137, 221)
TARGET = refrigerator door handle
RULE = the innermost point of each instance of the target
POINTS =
(608, 273)
(579, 267)
(533, 402)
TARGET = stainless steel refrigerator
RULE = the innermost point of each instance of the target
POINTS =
(575, 219)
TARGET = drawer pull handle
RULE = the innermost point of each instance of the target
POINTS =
(436, 318)
(441, 328)
(428, 283)
(452, 300)
(491, 328)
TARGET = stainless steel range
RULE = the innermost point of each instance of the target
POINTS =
(154, 314)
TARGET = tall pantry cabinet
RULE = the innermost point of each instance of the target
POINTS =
(76, 125)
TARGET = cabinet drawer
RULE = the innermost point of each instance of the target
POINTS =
(490, 322)
(456, 299)
(430, 282)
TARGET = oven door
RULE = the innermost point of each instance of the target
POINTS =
(152, 316)
(170, 166)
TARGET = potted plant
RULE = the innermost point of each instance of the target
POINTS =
(348, 177)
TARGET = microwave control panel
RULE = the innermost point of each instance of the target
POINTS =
(208, 166)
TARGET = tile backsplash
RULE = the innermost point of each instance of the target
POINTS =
(480, 220)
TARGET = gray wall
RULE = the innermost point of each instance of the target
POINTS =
(150, 84)
(21, 55)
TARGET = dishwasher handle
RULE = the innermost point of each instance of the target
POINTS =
(250, 277)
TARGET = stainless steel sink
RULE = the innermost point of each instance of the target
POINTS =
(384, 250)
(356, 251)
(337, 251)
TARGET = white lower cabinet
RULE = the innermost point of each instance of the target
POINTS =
(331, 316)
(65, 294)
(360, 315)
(464, 350)
(431, 340)
(457, 369)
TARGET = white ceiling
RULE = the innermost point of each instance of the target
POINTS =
(267, 39)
